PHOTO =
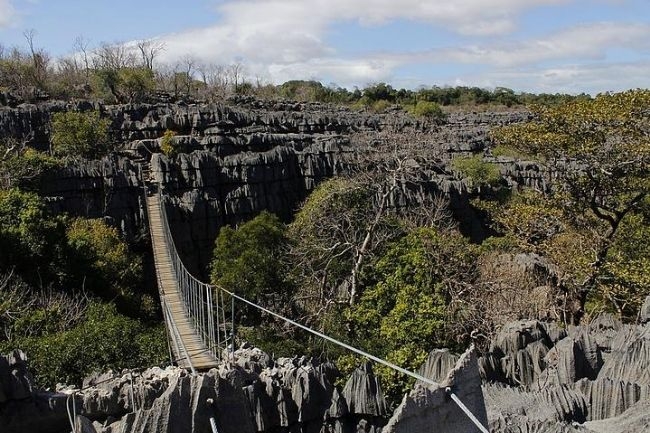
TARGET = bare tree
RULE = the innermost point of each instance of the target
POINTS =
(235, 71)
(149, 50)
(18, 300)
(215, 79)
(345, 222)
(113, 56)
(81, 46)
(40, 60)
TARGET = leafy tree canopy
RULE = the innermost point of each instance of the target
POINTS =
(80, 134)
(246, 259)
(404, 314)
(599, 150)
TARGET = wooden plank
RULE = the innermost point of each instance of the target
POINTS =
(200, 357)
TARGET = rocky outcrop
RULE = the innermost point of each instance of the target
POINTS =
(110, 188)
(16, 382)
(644, 314)
(245, 156)
(254, 394)
(429, 408)
(593, 373)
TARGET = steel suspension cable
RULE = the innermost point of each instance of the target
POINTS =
(412, 374)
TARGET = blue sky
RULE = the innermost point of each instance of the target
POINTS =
(527, 45)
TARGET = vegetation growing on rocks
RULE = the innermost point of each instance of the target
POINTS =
(393, 277)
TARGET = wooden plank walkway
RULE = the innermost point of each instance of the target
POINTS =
(200, 357)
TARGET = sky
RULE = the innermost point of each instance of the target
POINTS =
(565, 46)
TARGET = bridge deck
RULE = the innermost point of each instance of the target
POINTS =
(200, 357)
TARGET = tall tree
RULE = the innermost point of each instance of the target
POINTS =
(599, 151)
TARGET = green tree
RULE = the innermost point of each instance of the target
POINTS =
(478, 171)
(136, 83)
(80, 134)
(104, 339)
(23, 168)
(247, 259)
(600, 151)
(168, 143)
(429, 110)
(31, 238)
(101, 261)
(404, 315)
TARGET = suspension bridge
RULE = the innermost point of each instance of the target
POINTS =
(195, 314)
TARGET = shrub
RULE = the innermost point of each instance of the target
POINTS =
(429, 110)
(101, 260)
(105, 339)
(247, 258)
(79, 134)
(478, 171)
(168, 144)
(404, 314)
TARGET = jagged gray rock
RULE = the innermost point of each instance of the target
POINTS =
(644, 314)
(555, 403)
(521, 424)
(634, 420)
(437, 365)
(363, 394)
(428, 408)
(607, 398)
(629, 360)
(245, 156)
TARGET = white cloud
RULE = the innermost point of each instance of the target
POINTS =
(7, 13)
(572, 78)
(583, 42)
(275, 36)
(280, 40)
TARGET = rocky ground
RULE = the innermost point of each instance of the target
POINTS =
(537, 377)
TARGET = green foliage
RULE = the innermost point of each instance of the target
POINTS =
(380, 106)
(323, 235)
(599, 150)
(626, 274)
(300, 90)
(404, 314)
(105, 339)
(136, 83)
(478, 171)
(80, 134)
(31, 239)
(246, 259)
(101, 260)
(429, 110)
(606, 137)
(23, 169)
(168, 144)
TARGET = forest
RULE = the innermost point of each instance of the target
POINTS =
(395, 281)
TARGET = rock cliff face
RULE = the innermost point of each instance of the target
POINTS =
(239, 158)
(535, 378)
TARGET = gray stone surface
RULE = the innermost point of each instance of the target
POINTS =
(593, 374)
(363, 394)
(429, 408)
(645, 311)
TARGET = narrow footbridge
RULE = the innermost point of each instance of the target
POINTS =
(198, 331)
(191, 308)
